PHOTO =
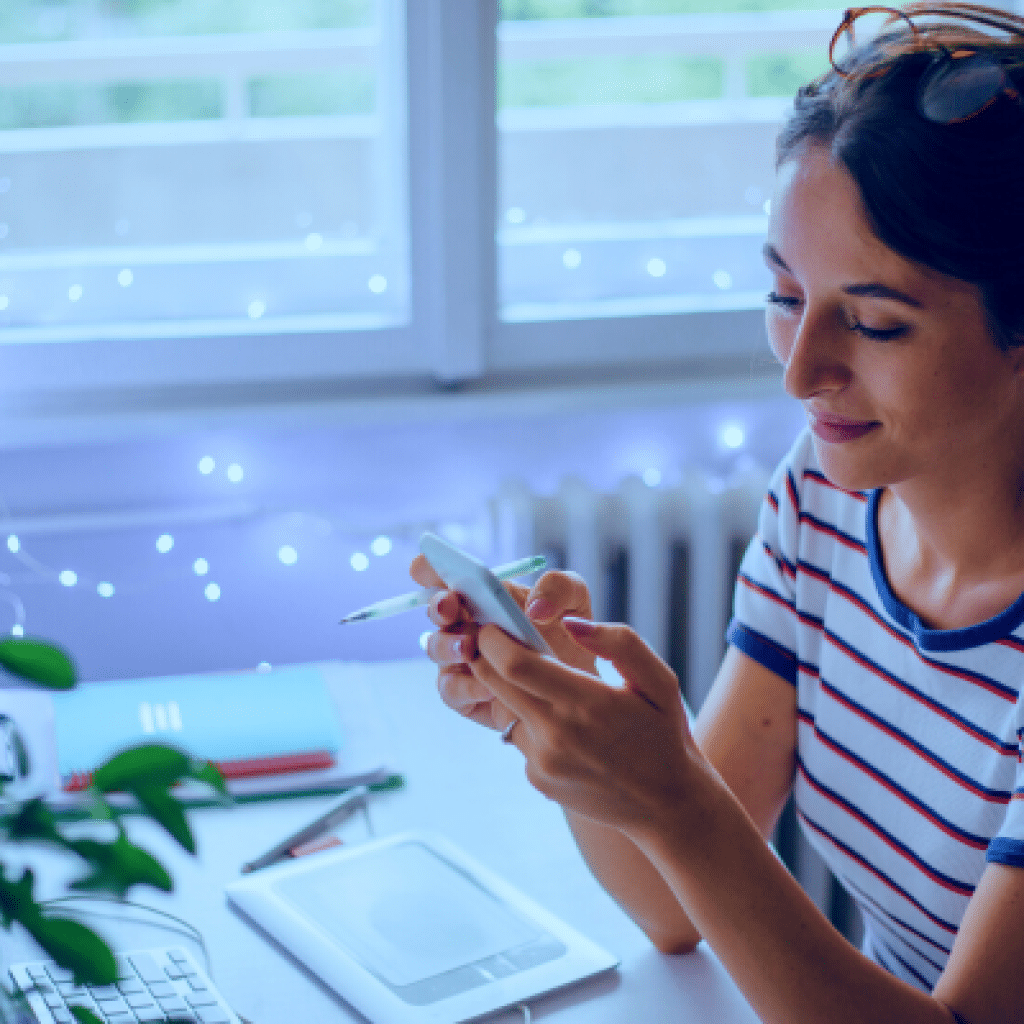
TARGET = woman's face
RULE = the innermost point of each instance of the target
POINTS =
(893, 362)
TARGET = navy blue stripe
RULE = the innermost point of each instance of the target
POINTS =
(1006, 851)
(865, 820)
(779, 557)
(999, 795)
(968, 837)
(828, 527)
(885, 916)
(877, 872)
(763, 650)
(924, 982)
(794, 493)
(913, 691)
(881, 921)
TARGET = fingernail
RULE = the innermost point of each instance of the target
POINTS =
(581, 627)
(540, 608)
(462, 646)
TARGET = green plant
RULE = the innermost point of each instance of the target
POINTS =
(112, 865)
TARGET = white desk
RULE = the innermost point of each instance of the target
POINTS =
(464, 783)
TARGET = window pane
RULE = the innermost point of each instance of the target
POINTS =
(636, 149)
(181, 168)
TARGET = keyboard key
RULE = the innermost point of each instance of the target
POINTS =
(130, 985)
(177, 955)
(121, 1018)
(173, 1005)
(200, 998)
(37, 972)
(150, 1014)
(149, 970)
(59, 973)
(213, 1015)
(62, 1015)
(197, 984)
(104, 993)
(162, 989)
(139, 999)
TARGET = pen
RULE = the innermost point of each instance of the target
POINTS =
(394, 605)
(351, 802)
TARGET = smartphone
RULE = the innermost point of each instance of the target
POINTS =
(488, 600)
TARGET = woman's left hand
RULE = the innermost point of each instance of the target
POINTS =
(620, 756)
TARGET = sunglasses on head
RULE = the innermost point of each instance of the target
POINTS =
(956, 86)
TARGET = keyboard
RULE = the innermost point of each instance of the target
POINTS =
(153, 985)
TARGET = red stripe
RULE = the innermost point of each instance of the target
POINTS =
(974, 844)
(831, 531)
(988, 741)
(930, 758)
(820, 478)
(853, 855)
(960, 888)
(765, 592)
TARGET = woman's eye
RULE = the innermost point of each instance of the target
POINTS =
(877, 333)
(786, 301)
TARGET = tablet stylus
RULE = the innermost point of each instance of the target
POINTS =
(351, 802)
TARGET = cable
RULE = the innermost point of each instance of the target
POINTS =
(186, 928)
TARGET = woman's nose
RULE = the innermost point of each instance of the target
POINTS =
(816, 360)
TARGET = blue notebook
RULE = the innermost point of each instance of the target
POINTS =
(224, 718)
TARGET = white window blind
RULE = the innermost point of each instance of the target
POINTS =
(186, 169)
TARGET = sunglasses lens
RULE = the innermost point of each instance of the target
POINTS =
(956, 89)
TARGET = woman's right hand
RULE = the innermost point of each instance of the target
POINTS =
(453, 646)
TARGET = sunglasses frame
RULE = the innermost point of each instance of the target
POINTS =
(941, 60)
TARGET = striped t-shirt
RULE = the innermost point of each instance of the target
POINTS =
(909, 774)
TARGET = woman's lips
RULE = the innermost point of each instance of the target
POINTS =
(838, 429)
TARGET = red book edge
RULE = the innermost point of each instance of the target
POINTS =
(242, 768)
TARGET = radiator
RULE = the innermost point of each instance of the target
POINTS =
(664, 560)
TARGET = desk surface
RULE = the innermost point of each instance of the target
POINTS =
(463, 783)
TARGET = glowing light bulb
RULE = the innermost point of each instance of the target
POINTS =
(381, 545)
(314, 241)
(424, 638)
(164, 543)
(212, 592)
(68, 577)
(732, 435)
(256, 309)
(722, 279)
(125, 278)
(105, 589)
(656, 267)
(75, 292)
(377, 284)
(652, 477)
(13, 544)
(359, 561)
(235, 473)
(200, 566)
(4, 301)
(18, 630)
(287, 554)
(571, 259)
(264, 666)
(206, 465)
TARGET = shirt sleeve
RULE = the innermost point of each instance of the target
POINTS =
(765, 623)
(1008, 845)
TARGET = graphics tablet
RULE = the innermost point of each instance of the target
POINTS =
(410, 930)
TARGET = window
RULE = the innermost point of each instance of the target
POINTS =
(636, 149)
(176, 169)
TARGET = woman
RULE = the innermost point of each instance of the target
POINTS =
(877, 646)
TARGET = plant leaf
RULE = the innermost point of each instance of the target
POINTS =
(163, 808)
(35, 821)
(37, 661)
(147, 765)
(84, 1015)
(16, 900)
(76, 947)
(119, 865)
(208, 772)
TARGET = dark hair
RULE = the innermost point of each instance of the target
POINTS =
(947, 196)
